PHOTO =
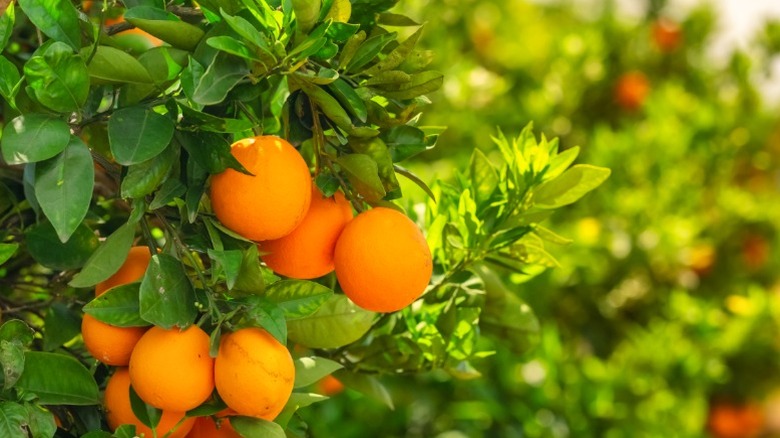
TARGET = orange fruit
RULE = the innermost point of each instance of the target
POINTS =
(133, 269)
(382, 260)
(330, 385)
(172, 369)
(307, 252)
(667, 35)
(206, 427)
(107, 343)
(273, 202)
(119, 411)
(727, 420)
(254, 373)
(631, 90)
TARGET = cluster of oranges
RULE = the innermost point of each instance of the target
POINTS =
(381, 258)
(172, 370)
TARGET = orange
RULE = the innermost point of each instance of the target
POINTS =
(206, 427)
(330, 385)
(307, 252)
(133, 269)
(383, 262)
(254, 373)
(631, 90)
(119, 410)
(172, 369)
(727, 420)
(273, 202)
(107, 343)
(666, 35)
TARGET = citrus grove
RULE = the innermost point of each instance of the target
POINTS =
(202, 226)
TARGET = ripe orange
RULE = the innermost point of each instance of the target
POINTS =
(631, 90)
(273, 202)
(133, 269)
(666, 35)
(383, 262)
(107, 343)
(206, 427)
(254, 373)
(307, 252)
(119, 410)
(330, 385)
(172, 369)
(727, 420)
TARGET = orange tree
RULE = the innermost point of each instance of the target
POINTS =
(201, 174)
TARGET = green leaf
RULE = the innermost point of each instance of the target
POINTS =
(7, 251)
(7, 20)
(327, 104)
(57, 19)
(306, 13)
(138, 134)
(377, 150)
(13, 419)
(114, 66)
(311, 45)
(71, 384)
(230, 261)
(415, 179)
(144, 178)
(107, 259)
(250, 277)
(163, 63)
(118, 306)
(46, 248)
(165, 26)
(350, 48)
(349, 99)
(34, 137)
(40, 421)
(572, 185)
(171, 189)
(297, 401)
(146, 414)
(309, 370)
(256, 427)
(367, 385)
(336, 323)
(9, 79)
(298, 298)
(166, 297)
(63, 186)
(12, 362)
(404, 141)
(327, 183)
(391, 19)
(549, 236)
(397, 56)
(224, 73)
(261, 312)
(421, 83)
(484, 178)
(60, 325)
(211, 151)
(58, 77)
(363, 173)
(16, 330)
(246, 30)
(560, 162)
(369, 50)
(232, 46)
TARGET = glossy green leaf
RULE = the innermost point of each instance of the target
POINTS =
(147, 414)
(60, 325)
(232, 46)
(114, 66)
(311, 45)
(350, 48)
(246, 30)
(34, 137)
(484, 178)
(46, 248)
(107, 259)
(230, 261)
(63, 186)
(40, 421)
(336, 323)
(166, 297)
(211, 151)
(9, 79)
(118, 306)
(298, 298)
(144, 178)
(58, 77)
(7, 250)
(421, 83)
(211, 123)
(297, 401)
(250, 277)
(379, 153)
(391, 19)
(12, 362)
(16, 330)
(397, 56)
(7, 20)
(369, 50)
(171, 189)
(349, 99)
(327, 183)
(163, 63)
(311, 369)
(13, 419)
(327, 105)
(78, 389)
(138, 134)
(363, 173)
(165, 26)
(57, 19)
(256, 427)
(572, 185)
(306, 13)
(224, 73)
(264, 313)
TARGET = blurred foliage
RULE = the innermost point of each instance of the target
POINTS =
(667, 303)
